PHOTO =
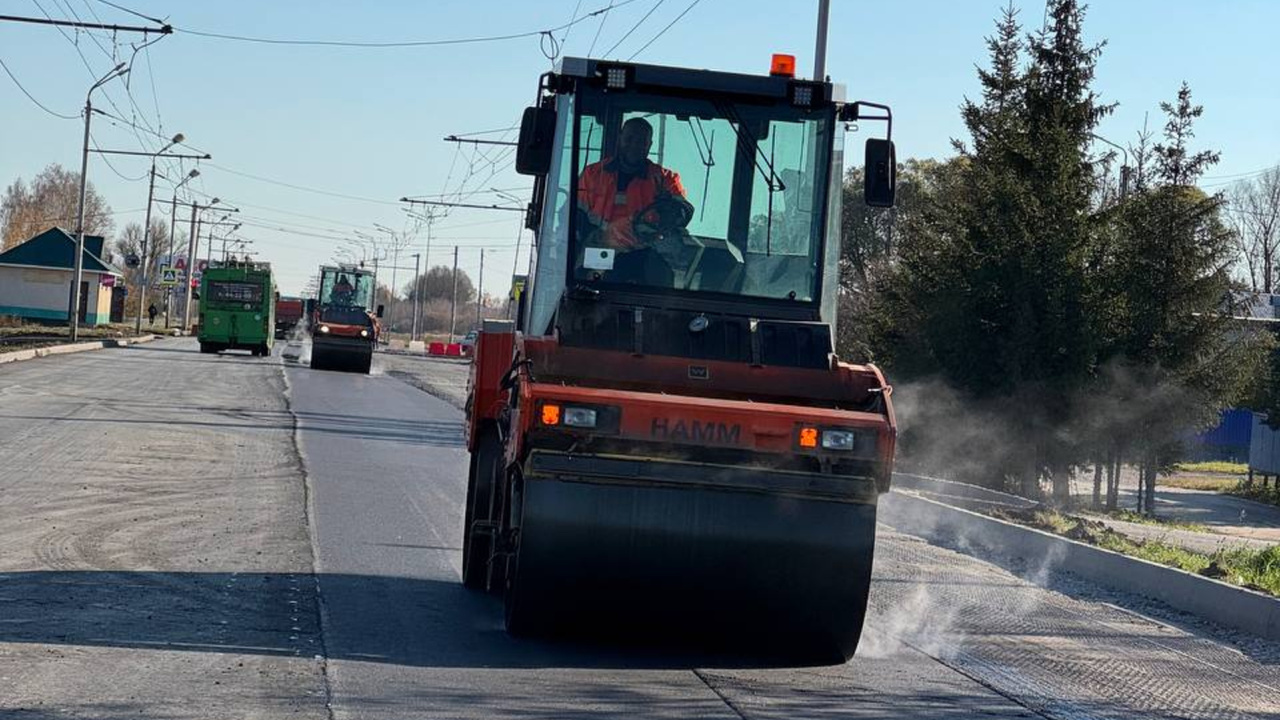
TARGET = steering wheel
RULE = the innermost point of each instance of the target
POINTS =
(660, 217)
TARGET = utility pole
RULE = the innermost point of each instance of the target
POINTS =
(73, 311)
(193, 247)
(453, 305)
(417, 293)
(820, 51)
(480, 292)
(146, 231)
(173, 229)
(186, 277)
(146, 259)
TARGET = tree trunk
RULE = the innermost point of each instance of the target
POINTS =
(1097, 484)
(1266, 271)
(1114, 464)
(1061, 487)
(1153, 468)
(1142, 478)
(1031, 478)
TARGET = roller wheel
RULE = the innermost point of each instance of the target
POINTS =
(521, 618)
(477, 545)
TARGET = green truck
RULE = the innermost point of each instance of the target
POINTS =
(237, 308)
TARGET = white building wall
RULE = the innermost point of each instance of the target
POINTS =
(43, 294)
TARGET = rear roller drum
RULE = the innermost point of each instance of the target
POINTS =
(477, 540)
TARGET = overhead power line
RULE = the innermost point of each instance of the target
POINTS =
(132, 12)
(31, 97)
(599, 27)
(302, 188)
(664, 30)
(400, 43)
(609, 52)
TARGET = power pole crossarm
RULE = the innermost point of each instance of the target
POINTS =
(456, 139)
(162, 30)
(442, 203)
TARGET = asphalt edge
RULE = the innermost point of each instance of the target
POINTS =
(33, 353)
(309, 514)
(1219, 602)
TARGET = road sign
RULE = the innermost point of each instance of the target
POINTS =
(201, 266)
(181, 264)
(168, 276)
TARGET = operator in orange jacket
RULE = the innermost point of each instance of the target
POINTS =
(615, 191)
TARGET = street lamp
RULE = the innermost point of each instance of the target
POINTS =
(196, 208)
(397, 244)
(417, 295)
(146, 230)
(1124, 169)
(173, 227)
(73, 310)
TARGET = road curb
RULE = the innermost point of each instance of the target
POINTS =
(33, 353)
(1213, 600)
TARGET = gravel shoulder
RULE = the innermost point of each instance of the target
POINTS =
(154, 554)
(443, 378)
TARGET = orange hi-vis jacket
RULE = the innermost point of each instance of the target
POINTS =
(598, 194)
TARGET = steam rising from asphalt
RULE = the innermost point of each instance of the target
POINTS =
(990, 443)
(297, 347)
(924, 614)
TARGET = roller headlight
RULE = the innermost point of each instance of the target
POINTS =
(845, 440)
(580, 417)
(600, 419)
(324, 329)
(364, 333)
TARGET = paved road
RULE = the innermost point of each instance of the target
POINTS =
(1223, 514)
(983, 500)
(154, 556)
(139, 579)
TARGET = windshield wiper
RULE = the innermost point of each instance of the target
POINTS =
(750, 150)
(708, 160)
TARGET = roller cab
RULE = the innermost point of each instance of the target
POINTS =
(664, 438)
(344, 329)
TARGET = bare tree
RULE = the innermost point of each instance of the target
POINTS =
(130, 243)
(50, 200)
(1255, 212)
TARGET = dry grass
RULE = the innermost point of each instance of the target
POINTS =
(1140, 519)
(1214, 468)
(1255, 569)
(34, 336)
(1194, 481)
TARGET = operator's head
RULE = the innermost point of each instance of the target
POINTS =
(634, 142)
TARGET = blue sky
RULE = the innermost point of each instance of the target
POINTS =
(368, 123)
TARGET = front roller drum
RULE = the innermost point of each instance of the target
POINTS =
(341, 356)
(766, 574)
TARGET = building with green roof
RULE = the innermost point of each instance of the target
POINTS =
(35, 279)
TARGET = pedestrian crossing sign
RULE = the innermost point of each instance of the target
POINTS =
(168, 276)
